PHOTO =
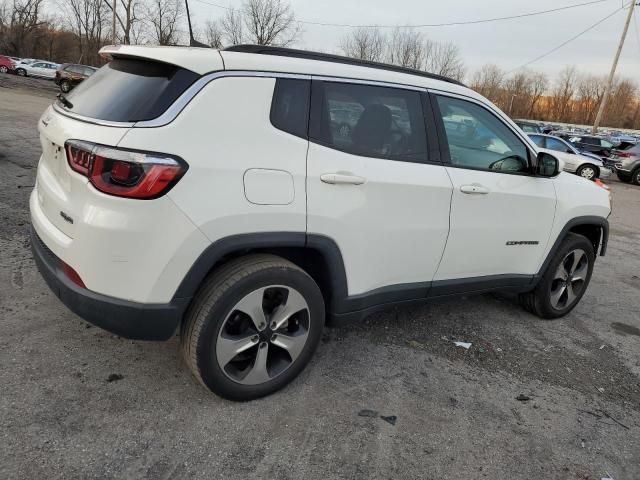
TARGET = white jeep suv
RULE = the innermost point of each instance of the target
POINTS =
(218, 194)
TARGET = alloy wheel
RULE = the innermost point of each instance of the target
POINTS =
(570, 279)
(588, 172)
(263, 335)
(3, 69)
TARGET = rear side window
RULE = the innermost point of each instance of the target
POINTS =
(130, 90)
(369, 121)
(290, 106)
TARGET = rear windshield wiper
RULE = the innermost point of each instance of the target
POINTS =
(64, 101)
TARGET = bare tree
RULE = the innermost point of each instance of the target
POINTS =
(22, 23)
(488, 82)
(232, 26)
(364, 43)
(406, 48)
(443, 59)
(132, 15)
(214, 34)
(562, 95)
(539, 85)
(165, 16)
(87, 19)
(270, 22)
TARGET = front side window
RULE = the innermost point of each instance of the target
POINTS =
(558, 145)
(478, 139)
(369, 120)
(538, 140)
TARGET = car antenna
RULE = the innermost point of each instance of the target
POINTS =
(192, 41)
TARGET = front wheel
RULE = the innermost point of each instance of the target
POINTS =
(253, 327)
(565, 280)
(587, 171)
(65, 86)
(635, 176)
(21, 72)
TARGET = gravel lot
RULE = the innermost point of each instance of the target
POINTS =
(457, 412)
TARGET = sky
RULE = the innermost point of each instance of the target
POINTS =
(507, 43)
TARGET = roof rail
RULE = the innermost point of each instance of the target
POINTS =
(327, 57)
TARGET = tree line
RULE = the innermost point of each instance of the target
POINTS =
(74, 31)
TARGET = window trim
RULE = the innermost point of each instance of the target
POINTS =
(316, 105)
(444, 144)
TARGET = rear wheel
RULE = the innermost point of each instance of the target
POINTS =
(65, 86)
(253, 327)
(565, 280)
(635, 176)
(21, 72)
(588, 171)
(3, 69)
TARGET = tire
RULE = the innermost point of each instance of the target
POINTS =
(635, 176)
(65, 86)
(3, 69)
(549, 300)
(623, 178)
(588, 171)
(223, 345)
(21, 72)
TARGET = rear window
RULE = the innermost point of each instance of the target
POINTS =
(130, 90)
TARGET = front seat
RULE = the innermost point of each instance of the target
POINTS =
(372, 130)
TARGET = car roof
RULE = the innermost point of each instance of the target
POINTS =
(206, 60)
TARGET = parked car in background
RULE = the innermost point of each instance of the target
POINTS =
(628, 164)
(528, 127)
(6, 64)
(591, 143)
(37, 69)
(68, 75)
(588, 166)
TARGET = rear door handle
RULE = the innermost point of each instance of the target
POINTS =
(342, 179)
(474, 189)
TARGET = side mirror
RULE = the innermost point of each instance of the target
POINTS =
(548, 165)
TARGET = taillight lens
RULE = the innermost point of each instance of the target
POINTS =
(125, 173)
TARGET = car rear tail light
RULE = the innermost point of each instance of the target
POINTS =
(125, 173)
(72, 275)
(623, 154)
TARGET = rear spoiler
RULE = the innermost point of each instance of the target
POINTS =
(198, 60)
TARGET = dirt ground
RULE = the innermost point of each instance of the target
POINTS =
(458, 416)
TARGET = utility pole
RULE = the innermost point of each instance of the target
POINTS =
(607, 91)
(513, 95)
(113, 22)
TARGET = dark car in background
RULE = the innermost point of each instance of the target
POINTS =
(590, 143)
(6, 64)
(68, 75)
(528, 127)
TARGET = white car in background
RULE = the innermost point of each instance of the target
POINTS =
(585, 165)
(37, 69)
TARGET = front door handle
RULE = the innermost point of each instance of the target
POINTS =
(342, 179)
(474, 189)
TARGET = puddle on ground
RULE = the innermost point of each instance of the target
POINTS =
(624, 329)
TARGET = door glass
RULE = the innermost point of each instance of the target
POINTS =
(478, 139)
(538, 140)
(370, 121)
(558, 146)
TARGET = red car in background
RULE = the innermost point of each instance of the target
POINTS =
(6, 64)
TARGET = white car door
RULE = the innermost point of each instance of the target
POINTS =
(35, 69)
(372, 189)
(501, 214)
(564, 153)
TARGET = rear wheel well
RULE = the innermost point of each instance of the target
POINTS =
(312, 261)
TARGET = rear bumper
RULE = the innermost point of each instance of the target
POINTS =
(137, 321)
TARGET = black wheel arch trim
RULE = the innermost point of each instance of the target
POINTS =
(587, 220)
